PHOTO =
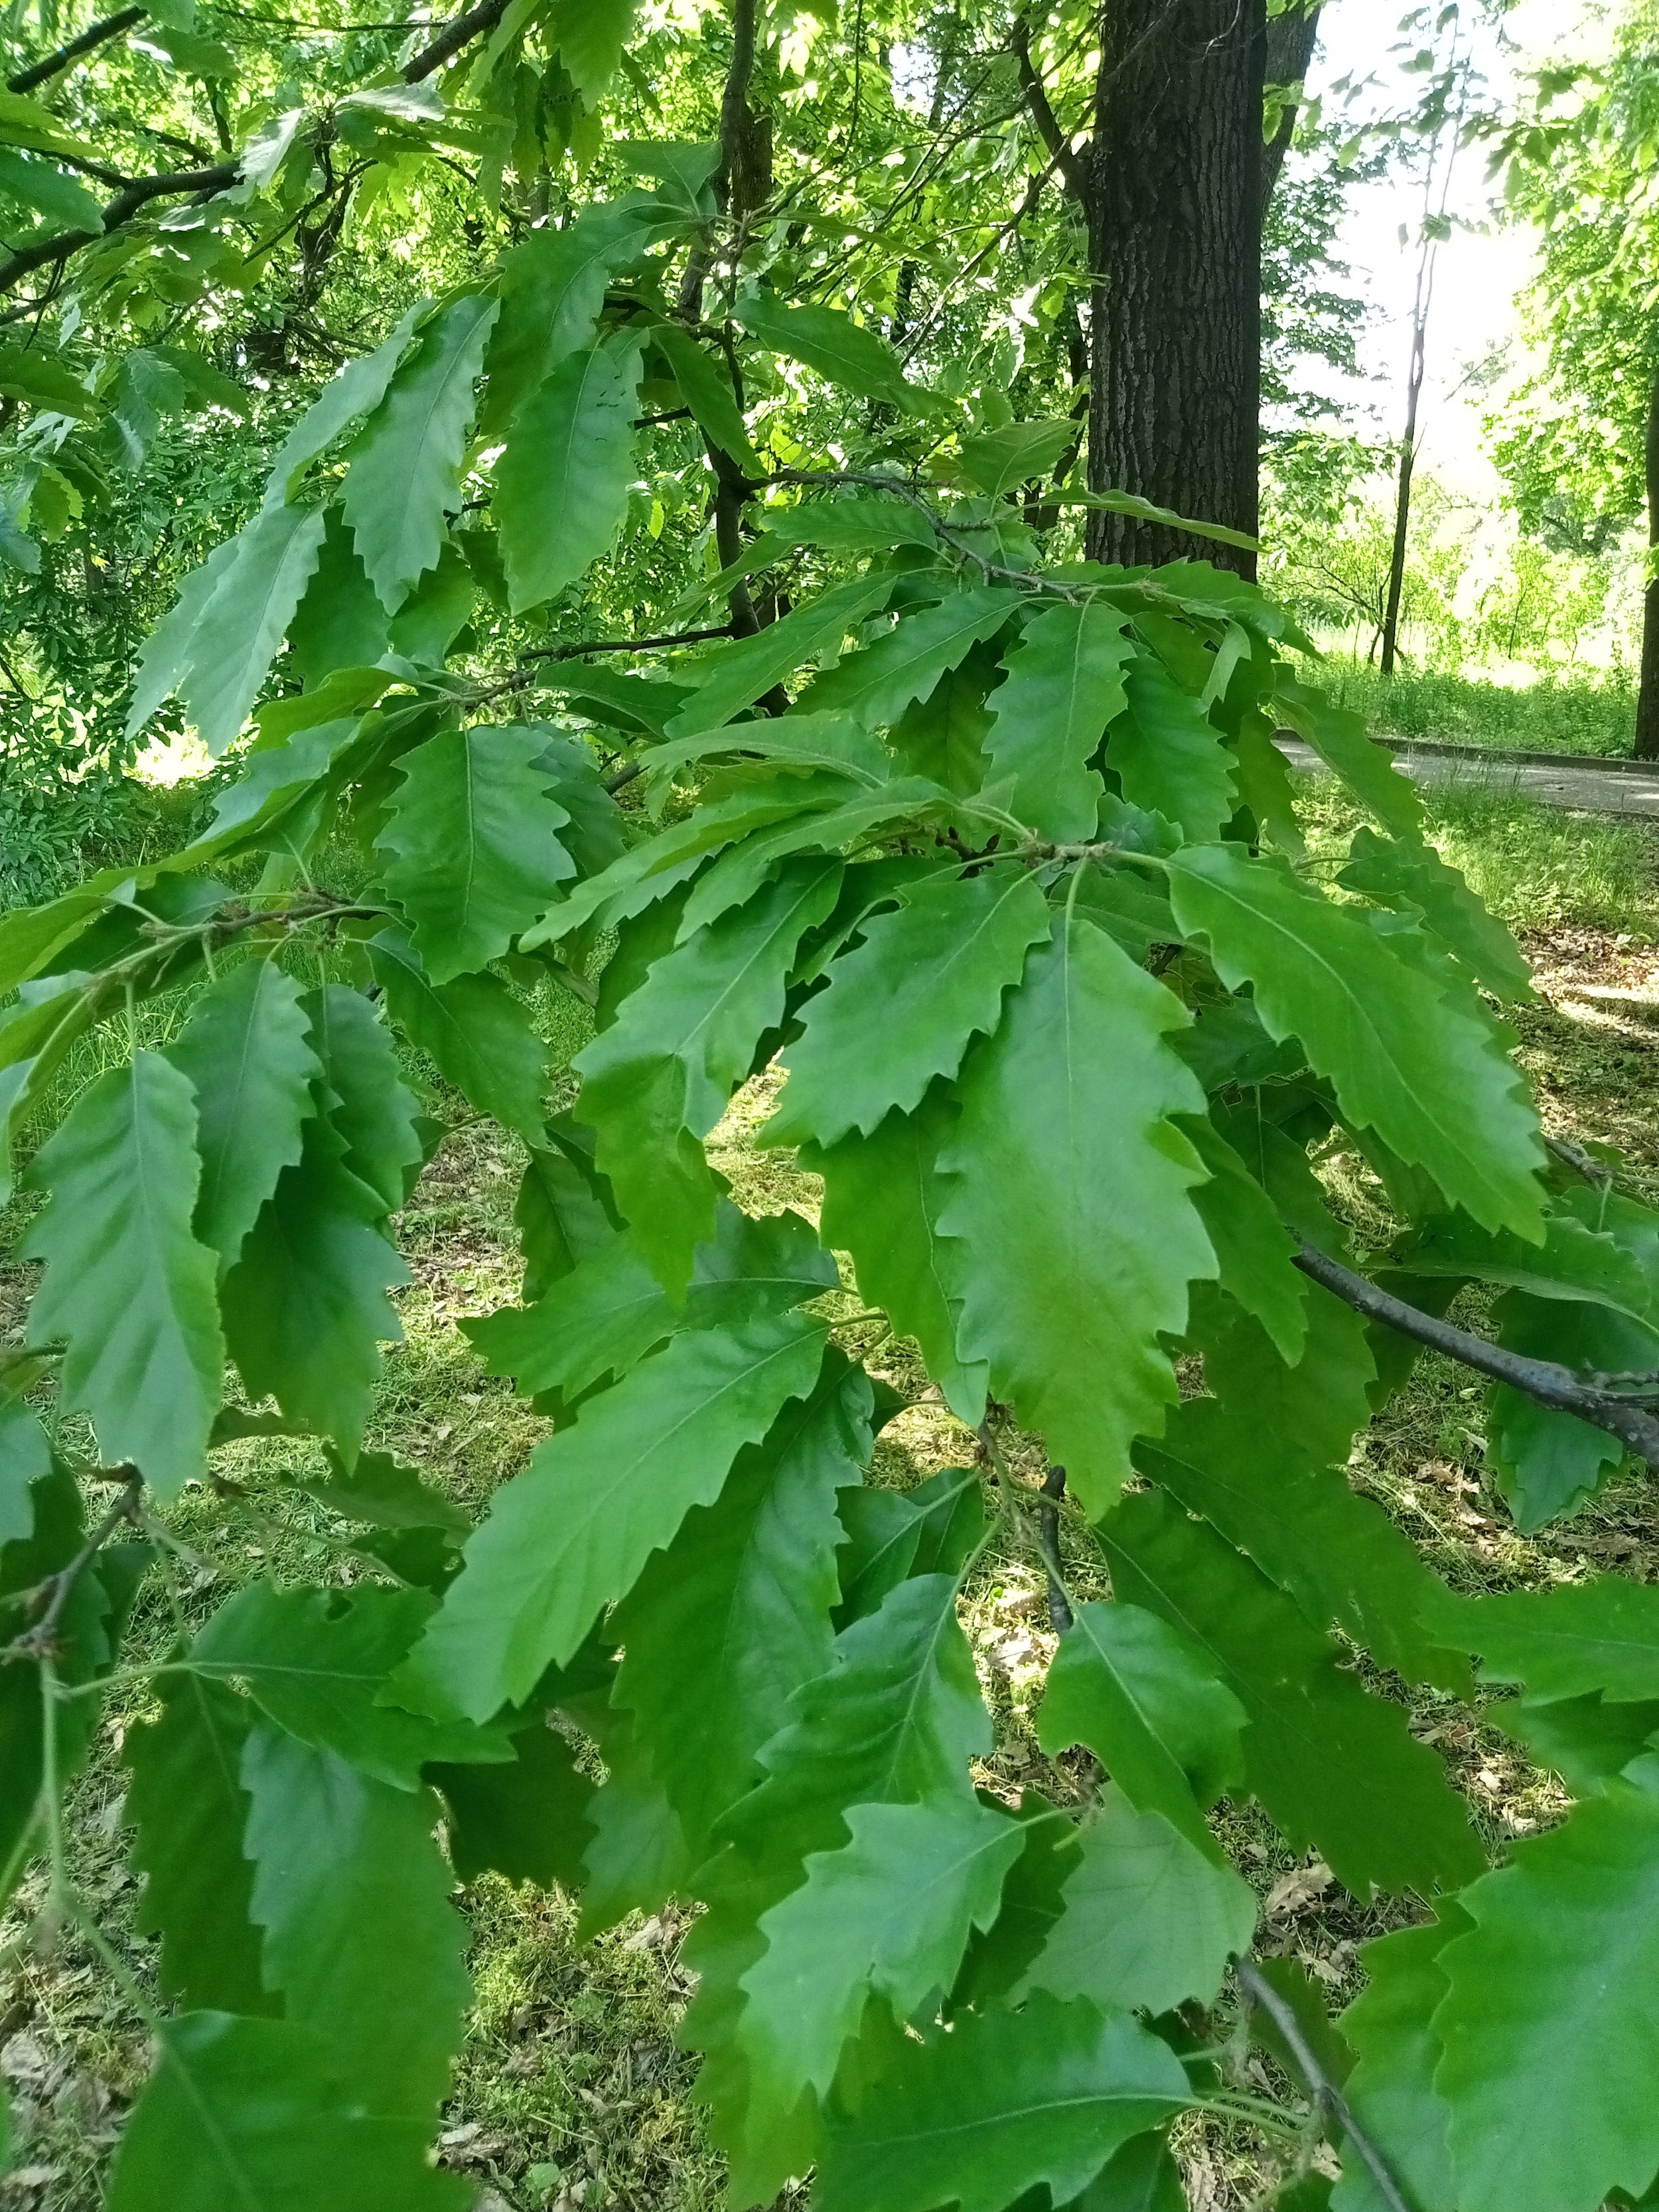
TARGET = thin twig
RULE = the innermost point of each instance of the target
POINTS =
(1259, 1990)
(41, 1642)
(1059, 1606)
(1541, 1380)
(575, 651)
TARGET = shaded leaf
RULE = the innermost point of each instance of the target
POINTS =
(1064, 684)
(875, 684)
(831, 343)
(561, 485)
(528, 1820)
(1167, 755)
(371, 1109)
(476, 1030)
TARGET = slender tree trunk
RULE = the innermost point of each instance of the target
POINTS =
(1176, 245)
(1647, 702)
(1402, 506)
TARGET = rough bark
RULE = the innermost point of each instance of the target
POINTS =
(1175, 222)
(1647, 702)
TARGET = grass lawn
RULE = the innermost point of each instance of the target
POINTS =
(571, 2091)
(1574, 716)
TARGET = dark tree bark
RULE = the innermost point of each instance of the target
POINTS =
(1175, 206)
(1647, 702)
(1291, 38)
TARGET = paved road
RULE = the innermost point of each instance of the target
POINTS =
(1567, 779)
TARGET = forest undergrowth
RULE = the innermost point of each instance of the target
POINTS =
(571, 2091)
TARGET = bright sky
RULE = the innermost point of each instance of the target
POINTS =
(1477, 277)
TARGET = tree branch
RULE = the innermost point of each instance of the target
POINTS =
(122, 209)
(1073, 165)
(1292, 38)
(41, 1642)
(1259, 1990)
(97, 35)
(450, 42)
(1541, 1380)
(625, 644)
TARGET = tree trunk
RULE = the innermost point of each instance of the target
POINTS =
(1402, 507)
(1647, 701)
(1175, 222)
(1291, 38)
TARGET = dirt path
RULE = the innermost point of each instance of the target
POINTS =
(1575, 781)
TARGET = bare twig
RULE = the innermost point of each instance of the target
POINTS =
(1583, 1163)
(1541, 1380)
(1059, 1606)
(41, 1642)
(1259, 1990)
(1071, 165)
(574, 652)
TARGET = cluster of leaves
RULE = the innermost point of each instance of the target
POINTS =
(1007, 869)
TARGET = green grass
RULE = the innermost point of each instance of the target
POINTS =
(1581, 716)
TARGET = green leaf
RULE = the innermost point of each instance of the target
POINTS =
(1574, 1263)
(436, 610)
(882, 1197)
(358, 389)
(1002, 2103)
(1067, 1171)
(473, 1028)
(1318, 1404)
(247, 1055)
(590, 35)
(1253, 1249)
(253, 2114)
(1128, 503)
(573, 1532)
(601, 1319)
(890, 1912)
(25, 372)
(381, 1490)
(1336, 1553)
(595, 837)
(836, 346)
(25, 1459)
(1150, 1920)
(1414, 878)
(855, 524)
(1549, 1463)
(1391, 2091)
(528, 1822)
(372, 1109)
(943, 735)
(188, 1805)
(1150, 1705)
(238, 621)
(734, 1616)
(686, 167)
(404, 477)
(734, 676)
(126, 1283)
(999, 461)
(903, 1006)
(657, 1080)
(1601, 1635)
(1552, 2015)
(855, 814)
(474, 848)
(561, 1218)
(1167, 755)
(1586, 1741)
(1339, 739)
(553, 286)
(707, 392)
(929, 1531)
(1408, 1059)
(1333, 1765)
(1064, 684)
(834, 741)
(561, 485)
(305, 1309)
(340, 622)
(360, 1936)
(315, 1660)
(1142, 2177)
(876, 684)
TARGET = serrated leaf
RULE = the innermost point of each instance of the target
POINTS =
(1573, 1263)
(436, 610)
(1064, 684)
(553, 286)
(1169, 757)
(1005, 2101)
(890, 1912)
(735, 1614)
(929, 1531)
(474, 844)
(1148, 1703)
(1601, 1635)
(903, 1006)
(560, 1217)
(734, 676)
(359, 1937)
(572, 1532)
(1549, 1463)
(590, 35)
(126, 1283)
(1552, 2015)
(340, 622)
(839, 348)
(26, 372)
(253, 2114)
(1065, 1169)
(1409, 874)
(1253, 1250)
(1150, 1919)
(1318, 1404)
(600, 1319)
(528, 1822)
(561, 485)
(1407, 1059)
(855, 813)
(657, 1080)
(305, 1309)
(1586, 1741)
(1333, 1765)
(875, 684)
(405, 476)
(942, 736)
(707, 392)
(474, 1028)
(372, 1109)
(1030, 1905)
(1391, 2091)
(1143, 2177)
(359, 388)
(883, 1198)
(999, 461)
(1338, 736)
(1336, 1553)
(856, 523)
(187, 1803)
(247, 1055)
(315, 1660)
(240, 620)
(381, 1490)
(25, 1459)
